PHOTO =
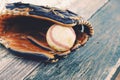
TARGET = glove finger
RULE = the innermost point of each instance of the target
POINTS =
(82, 38)
(19, 42)
(40, 39)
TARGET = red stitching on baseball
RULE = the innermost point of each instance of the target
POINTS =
(56, 42)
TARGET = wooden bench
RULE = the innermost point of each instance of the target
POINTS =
(99, 59)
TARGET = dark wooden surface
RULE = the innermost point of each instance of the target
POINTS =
(97, 60)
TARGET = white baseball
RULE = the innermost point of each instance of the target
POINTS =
(60, 38)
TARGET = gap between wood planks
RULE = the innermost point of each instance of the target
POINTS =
(98, 10)
(66, 4)
(34, 72)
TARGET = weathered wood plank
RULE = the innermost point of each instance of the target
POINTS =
(85, 8)
(14, 68)
(17, 70)
(95, 60)
(114, 71)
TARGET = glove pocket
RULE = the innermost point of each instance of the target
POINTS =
(26, 35)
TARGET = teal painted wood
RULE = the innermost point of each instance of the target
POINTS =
(17, 68)
(95, 60)
(96, 65)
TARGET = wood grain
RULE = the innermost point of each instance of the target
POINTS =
(91, 62)
(95, 60)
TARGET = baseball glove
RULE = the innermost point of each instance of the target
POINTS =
(23, 29)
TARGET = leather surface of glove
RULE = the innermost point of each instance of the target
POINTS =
(23, 29)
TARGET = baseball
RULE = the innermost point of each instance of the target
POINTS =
(60, 38)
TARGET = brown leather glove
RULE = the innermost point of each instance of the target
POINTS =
(23, 29)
